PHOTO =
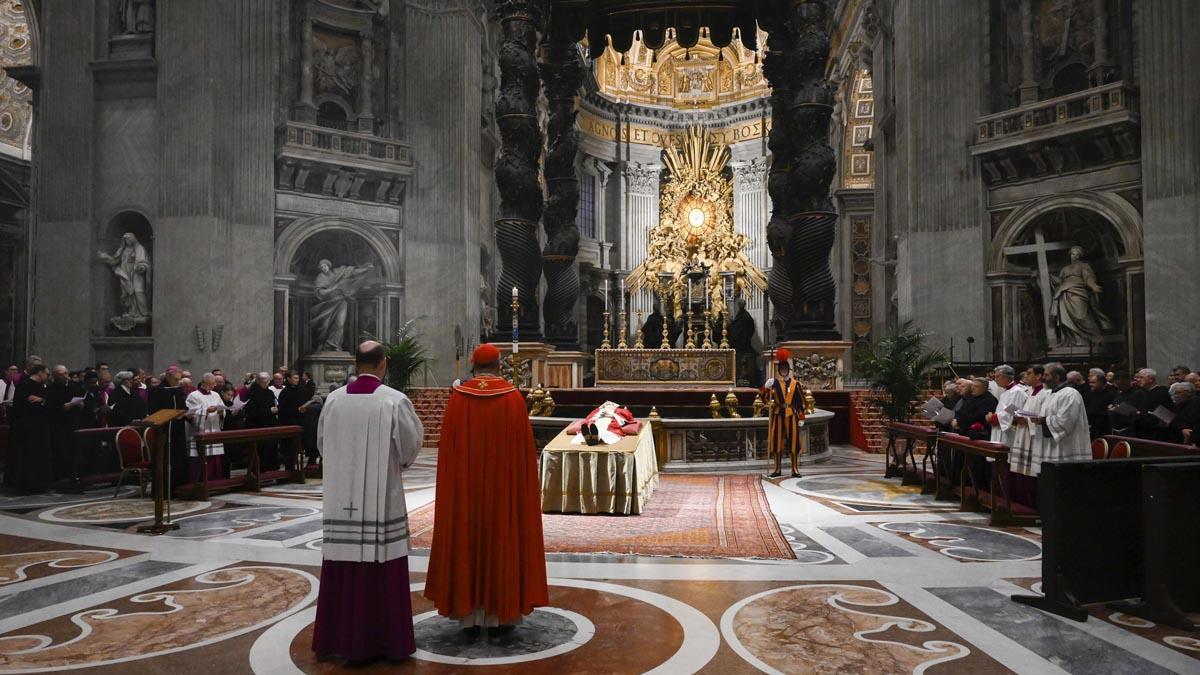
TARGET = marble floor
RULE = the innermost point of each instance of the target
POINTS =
(884, 580)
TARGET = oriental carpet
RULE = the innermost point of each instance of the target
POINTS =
(704, 516)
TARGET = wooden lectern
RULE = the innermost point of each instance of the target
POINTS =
(160, 422)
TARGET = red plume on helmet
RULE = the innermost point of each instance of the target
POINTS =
(783, 356)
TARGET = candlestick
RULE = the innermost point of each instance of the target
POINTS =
(605, 344)
(621, 331)
(690, 344)
(637, 344)
(666, 342)
(725, 331)
(515, 360)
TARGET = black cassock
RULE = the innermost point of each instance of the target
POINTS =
(162, 398)
(29, 457)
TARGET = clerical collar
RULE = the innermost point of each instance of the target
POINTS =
(1059, 388)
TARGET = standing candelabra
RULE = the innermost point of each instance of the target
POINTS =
(516, 338)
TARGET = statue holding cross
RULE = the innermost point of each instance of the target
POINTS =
(1070, 297)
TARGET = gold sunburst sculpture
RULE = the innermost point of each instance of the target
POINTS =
(695, 228)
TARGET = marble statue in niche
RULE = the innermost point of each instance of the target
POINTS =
(487, 313)
(137, 17)
(1075, 308)
(335, 287)
(131, 265)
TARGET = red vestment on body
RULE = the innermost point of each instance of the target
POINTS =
(487, 554)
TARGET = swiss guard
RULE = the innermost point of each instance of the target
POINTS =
(785, 399)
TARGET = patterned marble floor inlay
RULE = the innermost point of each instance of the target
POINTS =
(214, 606)
(808, 551)
(41, 501)
(21, 601)
(547, 632)
(13, 566)
(228, 521)
(864, 493)
(866, 543)
(1054, 639)
(843, 627)
(116, 511)
(969, 542)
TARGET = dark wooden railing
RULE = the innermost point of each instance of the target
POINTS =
(255, 476)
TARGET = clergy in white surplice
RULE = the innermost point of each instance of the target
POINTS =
(205, 412)
(368, 433)
(1011, 398)
(1064, 419)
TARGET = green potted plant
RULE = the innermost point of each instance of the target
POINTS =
(407, 358)
(898, 366)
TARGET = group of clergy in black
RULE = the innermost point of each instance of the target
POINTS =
(1114, 404)
(43, 408)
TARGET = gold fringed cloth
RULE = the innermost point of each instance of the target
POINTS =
(617, 478)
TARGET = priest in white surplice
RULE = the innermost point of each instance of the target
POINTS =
(368, 433)
(1012, 395)
(205, 411)
(1024, 458)
(1063, 419)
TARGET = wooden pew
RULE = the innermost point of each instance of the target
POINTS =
(1170, 547)
(903, 440)
(994, 497)
(254, 477)
(1092, 533)
(1141, 447)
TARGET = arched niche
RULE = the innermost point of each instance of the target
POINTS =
(376, 306)
(1028, 252)
(115, 316)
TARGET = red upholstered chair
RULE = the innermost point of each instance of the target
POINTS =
(131, 458)
(1120, 451)
(1099, 449)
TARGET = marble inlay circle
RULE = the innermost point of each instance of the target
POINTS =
(549, 631)
(861, 489)
(116, 511)
(701, 639)
(837, 625)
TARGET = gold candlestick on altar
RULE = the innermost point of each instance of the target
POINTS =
(706, 331)
(725, 330)
(666, 343)
(605, 343)
(690, 344)
(621, 332)
(637, 344)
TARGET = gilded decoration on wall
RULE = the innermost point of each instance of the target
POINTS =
(858, 170)
(700, 77)
(15, 97)
(658, 366)
(695, 230)
(819, 372)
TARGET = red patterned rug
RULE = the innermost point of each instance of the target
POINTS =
(693, 516)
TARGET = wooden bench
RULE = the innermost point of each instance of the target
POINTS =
(255, 477)
(1141, 447)
(994, 497)
(903, 440)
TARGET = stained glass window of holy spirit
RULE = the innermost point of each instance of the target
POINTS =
(858, 158)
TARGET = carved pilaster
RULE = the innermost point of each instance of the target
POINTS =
(518, 164)
(562, 73)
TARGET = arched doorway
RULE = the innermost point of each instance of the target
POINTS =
(1066, 282)
(336, 282)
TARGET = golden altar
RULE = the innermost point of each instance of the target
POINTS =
(649, 367)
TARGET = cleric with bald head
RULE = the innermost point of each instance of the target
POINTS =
(368, 434)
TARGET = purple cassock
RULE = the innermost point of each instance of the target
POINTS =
(364, 610)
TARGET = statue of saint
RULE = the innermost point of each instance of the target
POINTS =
(487, 314)
(131, 266)
(335, 288)
(1075, 308)
(137, 17)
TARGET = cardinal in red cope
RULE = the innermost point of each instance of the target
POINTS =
(487, 566)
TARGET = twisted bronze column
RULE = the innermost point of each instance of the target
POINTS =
(518, 165)
(801, 231)
(562, 71)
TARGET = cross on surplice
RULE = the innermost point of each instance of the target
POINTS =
(1040, 247)
(350, 509)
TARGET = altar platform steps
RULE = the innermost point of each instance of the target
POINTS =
(868, 426)
(430, 404)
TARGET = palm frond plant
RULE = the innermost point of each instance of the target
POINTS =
(407, 357)
(898, 366)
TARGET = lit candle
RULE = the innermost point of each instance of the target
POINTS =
(606, 295)
(516, 294)
(516, 339)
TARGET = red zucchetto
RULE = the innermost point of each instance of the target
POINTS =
(485, 354)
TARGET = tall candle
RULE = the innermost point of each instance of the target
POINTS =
(516, 338)
(606, 295)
